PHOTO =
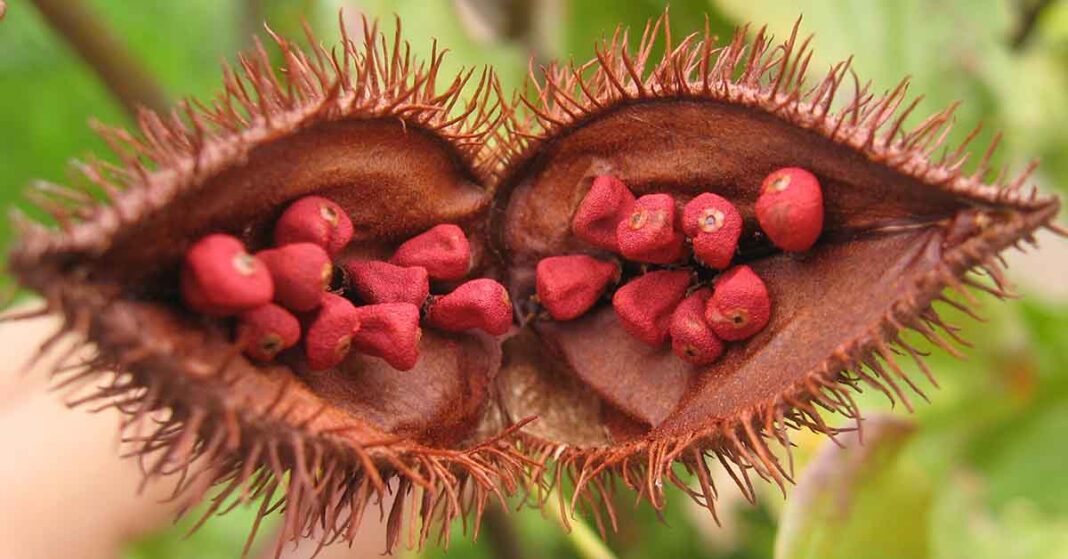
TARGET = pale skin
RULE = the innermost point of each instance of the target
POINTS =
(65, 491)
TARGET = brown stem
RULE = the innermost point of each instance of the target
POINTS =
(1029, 16)
(98, 46)
(500, 534)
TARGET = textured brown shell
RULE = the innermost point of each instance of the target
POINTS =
(369, 128)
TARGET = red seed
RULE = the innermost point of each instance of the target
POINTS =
(481, 304)
(329, 331)
(443, 251)
(568, 286)
(607, 203)
(301, 274)
(715, 225)
(220, 278)
(265, 331)
(740, 306)
(691, 337)
(644, 305)
(314, 219)
(379, 282)
(650, 233)
(790, 209)
(390, 331)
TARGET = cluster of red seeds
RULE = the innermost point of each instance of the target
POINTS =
(667, 303)
(281, 296)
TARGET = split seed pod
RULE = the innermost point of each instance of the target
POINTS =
(702, 118)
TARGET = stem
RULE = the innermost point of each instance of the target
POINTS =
(1029, 16)
(500, 534)
(98, 47)
(585, 541)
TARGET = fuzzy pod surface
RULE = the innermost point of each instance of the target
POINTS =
(900, 226)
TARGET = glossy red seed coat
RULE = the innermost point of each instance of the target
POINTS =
(220, 278)
(606, 204)
(314, 219)
(390, 331)
(481, 304)
(443, 251)
(691, 337)
(715, 225)
(644, 305)
(265, 331)
(740, 306)
(376, 282)
(651, 232)
(568, 286)
(301, 274)
(328, 332)
(790, 209)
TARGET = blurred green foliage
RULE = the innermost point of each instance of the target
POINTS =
(981, 474)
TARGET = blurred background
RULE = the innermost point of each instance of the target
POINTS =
(978, 472)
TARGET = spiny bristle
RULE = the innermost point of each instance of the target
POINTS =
(374, 78)
(762, 75)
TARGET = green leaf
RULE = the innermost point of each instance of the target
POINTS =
(859, 501)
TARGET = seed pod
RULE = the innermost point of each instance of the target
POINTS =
(443, 251)
(220, 278)
(691, 337)
(265, 331)
(328, 332)
(650, 233)
(597, 218)
(390, 331)
(644, 305)
(568, 286)
(301, 273)
(314, 219)
(378, 282)
(740, 306)
(790, 209)
(715, 226)
(481, 304)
